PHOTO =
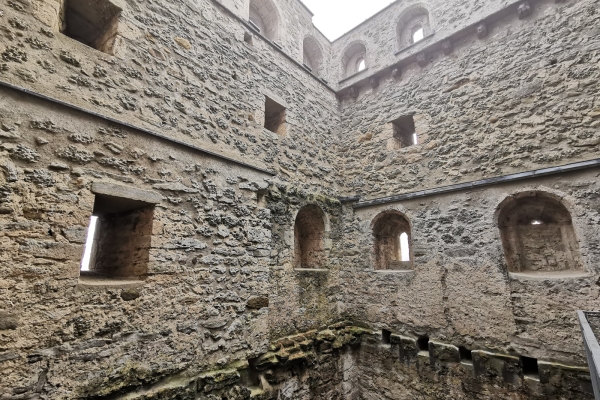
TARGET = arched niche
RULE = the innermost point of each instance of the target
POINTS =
(264, 14)
(537, 234)
(392, 241)
(413, 26)
(354, 59)
(312, 55)
(309, 238)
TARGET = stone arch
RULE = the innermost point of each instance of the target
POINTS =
(312, 54)
(265, 15)
(537, 233)
(309, 237)
(392, 236)
(413, 19)
(354, 53)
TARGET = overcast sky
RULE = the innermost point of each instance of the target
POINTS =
(336, 17)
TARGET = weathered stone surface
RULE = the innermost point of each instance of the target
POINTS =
(126, 192)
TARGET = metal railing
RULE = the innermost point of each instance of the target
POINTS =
(592, 348)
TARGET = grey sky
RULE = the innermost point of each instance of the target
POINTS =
(336, 17)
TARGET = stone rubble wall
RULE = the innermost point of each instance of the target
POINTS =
(460, 290)
(522, 99)
(221, 286)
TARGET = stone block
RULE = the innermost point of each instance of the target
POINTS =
(497, 366)
(444, 353)
(524, 10)
(8, 321)
(126, 192)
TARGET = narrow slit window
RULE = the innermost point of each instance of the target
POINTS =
(386, 336)
(361, 65)
(93, 23)
(404, 247)
(89, 244)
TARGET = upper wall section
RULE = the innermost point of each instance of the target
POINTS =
(181, 70)
(389, 36)
(288, 24)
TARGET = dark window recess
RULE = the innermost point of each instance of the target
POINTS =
(119, 246)
(248, 37)
(92, 22)
(309, 233)
(465, 354)
(530, 366)
(274, 117)
(405, 133)
(386, 336)
(423, 343)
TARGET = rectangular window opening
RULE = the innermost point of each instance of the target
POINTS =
(405, 134)
(275, 117)
(93, 23)
(386, 336)
(248, 38)
(261, 198)
(530, 366)
(466, 355)
(119, 238)
(423, 343)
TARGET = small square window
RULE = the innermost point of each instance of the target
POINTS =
(92, 22)
(119, 238)
(275, 117)
(530, 366)
(405, 134)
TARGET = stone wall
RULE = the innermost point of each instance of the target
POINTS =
(480, 112)
(170, 127)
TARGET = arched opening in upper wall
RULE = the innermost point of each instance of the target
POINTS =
(312, 55)
(413, 26)
(354, 59)
(309, 238)
(393, 238)
(265, 16)
(537, 234)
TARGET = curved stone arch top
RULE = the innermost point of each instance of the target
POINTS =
(265, 15)
(354, 52)
(311, 237)
(312, 54)
(387, 229)
(414, 17)
(537, 233)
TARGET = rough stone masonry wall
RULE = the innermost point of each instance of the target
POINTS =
(221, 287)
(203, 305)
(523, 98)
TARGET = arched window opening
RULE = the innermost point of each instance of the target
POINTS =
(312, 55)
(392, 236)
(413, 26)
(309, 238)
(538, 235)
(354, 59)
(361, 65)
(264, 16)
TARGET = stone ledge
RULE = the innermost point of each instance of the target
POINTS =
(102, 283)
(126, 192)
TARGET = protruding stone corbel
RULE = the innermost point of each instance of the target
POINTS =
(422, 59)
(374, 82)
(447, 47)
(397, 72)
(524, 10)
(353, 92)
(482, 31)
